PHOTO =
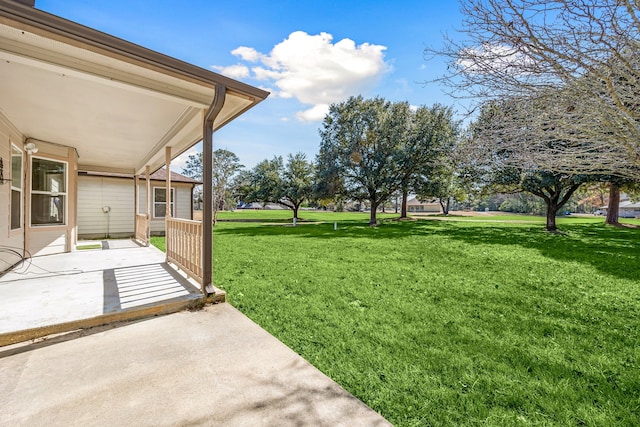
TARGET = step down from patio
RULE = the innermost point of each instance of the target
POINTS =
(137, 313)
(87, 288)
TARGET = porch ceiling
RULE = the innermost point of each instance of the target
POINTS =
(117, 106)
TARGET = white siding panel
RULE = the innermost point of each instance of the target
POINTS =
(118, 193)
(96, 193)
(183, 202)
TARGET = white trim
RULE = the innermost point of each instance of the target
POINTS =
(65, 193)
(21, 189)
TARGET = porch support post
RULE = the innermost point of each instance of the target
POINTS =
(147, 172)
(136, 204)
(167, 154)
(207, 176)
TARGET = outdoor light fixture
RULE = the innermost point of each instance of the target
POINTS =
(30, 148)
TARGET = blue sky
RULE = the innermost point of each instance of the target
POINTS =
(308, 54)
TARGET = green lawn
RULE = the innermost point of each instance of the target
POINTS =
(452, 322)
(285, 214)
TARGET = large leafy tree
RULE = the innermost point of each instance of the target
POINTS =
(443, 184)
(273, 181)
(427, 151)
(225, 165)
(361, 150)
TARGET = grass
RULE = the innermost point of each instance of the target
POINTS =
(452, 322)
(286, 215)
(89, 246)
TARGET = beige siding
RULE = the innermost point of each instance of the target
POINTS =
(118, 193)
(9, 240)
(183, 207)
(47, 241)
(97, 194)
(50, 239)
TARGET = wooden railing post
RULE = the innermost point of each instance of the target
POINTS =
(184, 246)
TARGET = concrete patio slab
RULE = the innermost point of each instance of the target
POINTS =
(55, 293)
(209, 367)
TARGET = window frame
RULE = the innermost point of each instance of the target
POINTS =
(14, 151)
(64, 193)
(172, 201)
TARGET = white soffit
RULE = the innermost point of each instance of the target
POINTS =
(118, 115)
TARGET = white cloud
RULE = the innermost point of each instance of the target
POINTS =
(317, 72)
(178, 164)
(313, 114)
(246, 53)
(237, 71)
(494, 58)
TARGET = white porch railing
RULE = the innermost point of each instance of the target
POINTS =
(141, 229)
(184, 246)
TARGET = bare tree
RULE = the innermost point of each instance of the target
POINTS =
(578, 57)
(504, 145)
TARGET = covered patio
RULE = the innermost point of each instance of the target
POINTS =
(76, 99)
(119, 281)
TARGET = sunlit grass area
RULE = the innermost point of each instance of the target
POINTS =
(304, 215)
(433, 322)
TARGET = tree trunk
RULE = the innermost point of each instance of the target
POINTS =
(372, 218)
(552, 209)
(214, 214)
(613, 209)
(445, 206)
(295, 212)
(403, 210)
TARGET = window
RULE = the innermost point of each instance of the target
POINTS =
(48, 192)
(16, 187)
(160, 202)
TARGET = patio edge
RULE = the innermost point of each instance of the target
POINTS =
(9, 338)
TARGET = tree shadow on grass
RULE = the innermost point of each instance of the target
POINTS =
(611, 250)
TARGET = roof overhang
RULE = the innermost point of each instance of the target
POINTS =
(118, 104)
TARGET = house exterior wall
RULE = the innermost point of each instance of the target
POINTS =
(10, 240)
(182, 206)
(96, 192)
(52, 239)
(629, 212)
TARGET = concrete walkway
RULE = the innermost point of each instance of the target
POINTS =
(209, 367)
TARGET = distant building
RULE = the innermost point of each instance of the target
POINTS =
(416, 206)
(627, 208)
